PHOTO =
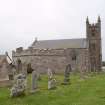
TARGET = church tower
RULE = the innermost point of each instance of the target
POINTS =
(93, 32)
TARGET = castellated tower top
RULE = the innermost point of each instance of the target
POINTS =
(93, 30)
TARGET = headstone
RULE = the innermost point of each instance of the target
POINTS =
(52, 84)
(38, 76)
(67, 75)
(19, 86)
(51, 80)
(50, 73)
(34, 81)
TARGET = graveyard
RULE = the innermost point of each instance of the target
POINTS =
(52, 52)
(88, 91)
(49, 73)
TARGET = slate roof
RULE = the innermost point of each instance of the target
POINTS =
(61, 43)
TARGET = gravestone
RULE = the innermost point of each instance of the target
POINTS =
(50, 73)
(67, 75)
(39, 76)
(34, 81)
(19, 86)
(51, 84)
(51, 80)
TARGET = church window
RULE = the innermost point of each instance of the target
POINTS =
(93, 46)
(74, 57)
(93, 34)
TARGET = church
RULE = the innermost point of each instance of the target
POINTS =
(83, 54)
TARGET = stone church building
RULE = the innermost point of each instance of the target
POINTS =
(84, 54)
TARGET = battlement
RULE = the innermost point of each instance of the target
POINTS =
(20, 49)
(93, 25)
(38, 52)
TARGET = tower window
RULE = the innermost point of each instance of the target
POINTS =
(93, 34)
(74, 57)
(93, 46)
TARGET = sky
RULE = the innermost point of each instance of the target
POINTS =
(21, 21)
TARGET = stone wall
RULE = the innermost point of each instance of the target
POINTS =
(56, 59)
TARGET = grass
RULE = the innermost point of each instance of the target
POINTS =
(90, 91)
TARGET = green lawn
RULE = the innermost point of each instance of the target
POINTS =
(90, 91)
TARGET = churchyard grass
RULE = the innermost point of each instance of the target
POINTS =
(90, 91)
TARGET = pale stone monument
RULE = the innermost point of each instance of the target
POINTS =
(51, 84)
(39, 76)
(19, 86)
(51, 80)
(34, 81)
(50, 73)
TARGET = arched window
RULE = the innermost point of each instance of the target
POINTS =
(93, 34)
(74, 57)
(93, 46)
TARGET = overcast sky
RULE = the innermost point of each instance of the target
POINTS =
(23, 20)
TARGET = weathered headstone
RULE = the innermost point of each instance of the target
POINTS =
(51, 80)
(19, 86)
(50, 73)
(34, 81)
(67, 75)
(52, 84)
(39, 76)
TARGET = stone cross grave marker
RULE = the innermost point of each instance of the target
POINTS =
(51, 80)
